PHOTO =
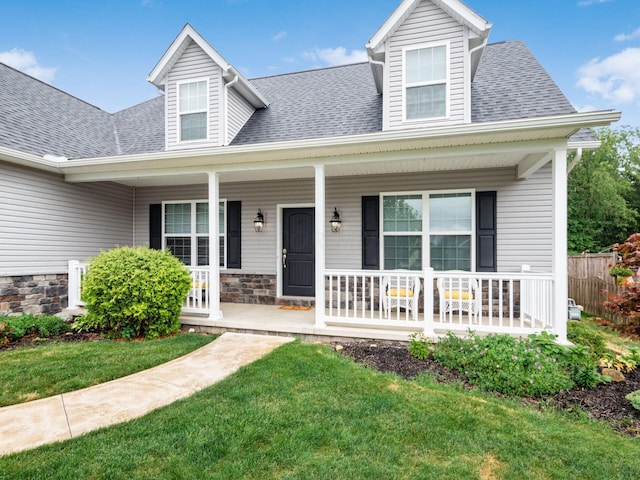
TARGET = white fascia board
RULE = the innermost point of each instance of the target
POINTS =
(585, 145)
(461, 12)
(158, 75)
(458, 135)
(29, 160)
(390, 24)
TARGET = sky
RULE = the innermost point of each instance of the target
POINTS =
(102, 51)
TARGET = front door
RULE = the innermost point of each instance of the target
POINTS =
(298, 252)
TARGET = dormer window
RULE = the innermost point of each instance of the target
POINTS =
(192, 106)
(426, 79)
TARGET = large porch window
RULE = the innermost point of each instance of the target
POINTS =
(436, 227)
(186, 231)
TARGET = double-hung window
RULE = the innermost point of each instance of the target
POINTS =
(435, 226)
(425, 82)
(186, 231)
(192, 109)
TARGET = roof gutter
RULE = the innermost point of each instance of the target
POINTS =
(575, 160)
(47, 162)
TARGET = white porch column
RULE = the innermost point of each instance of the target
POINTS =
(214, 247)
(320, 245)
(559, 234)
(428, 303)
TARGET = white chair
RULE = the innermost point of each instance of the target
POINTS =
(400, 291)
(459, 294)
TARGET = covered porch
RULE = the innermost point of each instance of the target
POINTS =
(525, 165)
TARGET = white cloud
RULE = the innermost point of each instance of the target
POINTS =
(279, 36)
(616, 78)
(623, 37)
(335, 56)
(28, 63)
(586, 3)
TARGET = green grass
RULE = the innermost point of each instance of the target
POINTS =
(305, 412)
(29, 373)
(615, 339)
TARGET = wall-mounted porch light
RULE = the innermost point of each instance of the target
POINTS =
(258, 223)
(335, 221)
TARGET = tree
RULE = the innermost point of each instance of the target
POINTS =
(604, 192)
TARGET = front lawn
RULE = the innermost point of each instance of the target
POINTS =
(29, 373)
(304, 411)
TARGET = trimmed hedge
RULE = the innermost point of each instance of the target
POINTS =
(134, 292)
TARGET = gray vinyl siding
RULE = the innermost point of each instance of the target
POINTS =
(426, 24)
(46, 222)
(239, 112)
(524, 212)
(194, 64)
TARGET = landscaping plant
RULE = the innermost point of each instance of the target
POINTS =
(134, 292)
(627, 303)
(634, 398)
(585, 333)
(530, 367)
(17, 326)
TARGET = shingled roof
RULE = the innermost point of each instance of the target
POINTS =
(509, 84)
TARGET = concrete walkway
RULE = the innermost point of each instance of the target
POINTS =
(65, 416)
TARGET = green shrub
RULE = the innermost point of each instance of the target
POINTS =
(634, 397)
(419, 347)
(584, 333)
(530, 367)
(134, 292)
(17, 326)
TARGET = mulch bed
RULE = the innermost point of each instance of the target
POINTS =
(34, 340)
(605, 402)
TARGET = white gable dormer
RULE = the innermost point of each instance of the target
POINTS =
(207, 101)
(423, 59)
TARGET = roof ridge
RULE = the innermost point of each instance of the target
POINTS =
(330, 67)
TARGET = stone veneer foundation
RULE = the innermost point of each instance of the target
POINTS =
(33, 294)
(248, 288)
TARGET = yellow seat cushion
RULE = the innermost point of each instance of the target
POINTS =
(456, 295)
(400, 292)
(199, 285)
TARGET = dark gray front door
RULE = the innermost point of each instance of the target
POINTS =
(298, 252)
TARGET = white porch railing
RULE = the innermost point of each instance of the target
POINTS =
(514, 303)
(197, 300)
(518, 303)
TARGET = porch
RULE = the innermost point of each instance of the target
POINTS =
(388, 305)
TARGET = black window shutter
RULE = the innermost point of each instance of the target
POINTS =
(155, 226)
(486, 238)
(234, 227)
(371, 233)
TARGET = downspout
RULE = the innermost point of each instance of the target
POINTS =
(226, 108)
(133, 194)
(575, 160)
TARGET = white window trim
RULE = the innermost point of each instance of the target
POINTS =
(447, 80)
(179, 114)
(194, 236)
(426, 233)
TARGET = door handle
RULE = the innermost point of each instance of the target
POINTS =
(284, 258)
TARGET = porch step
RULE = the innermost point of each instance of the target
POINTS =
(296, 301)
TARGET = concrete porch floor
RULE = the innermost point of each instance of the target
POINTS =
(273, 320)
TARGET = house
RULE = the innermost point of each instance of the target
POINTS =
(421, 191)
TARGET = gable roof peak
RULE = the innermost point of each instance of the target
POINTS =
(455, 8)
(187, 35)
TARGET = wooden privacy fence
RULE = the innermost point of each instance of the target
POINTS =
(589, 281)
